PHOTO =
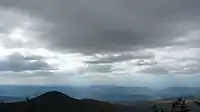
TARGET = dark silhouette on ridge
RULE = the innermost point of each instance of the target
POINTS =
(198, 103)
(180, 106)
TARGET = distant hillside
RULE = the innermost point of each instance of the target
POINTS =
(54, 101)
(182, 90)
(116, 97)
(173, 93)
(59, 102)
(11, 98)
(104, 93)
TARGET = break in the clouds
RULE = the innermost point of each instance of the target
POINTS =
(101, 41)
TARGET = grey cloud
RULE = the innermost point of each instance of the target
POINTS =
(24, 74)
(19, 56)
(191, 68)
(34, 57)
(146, 63)
(121, 57)
(93, 26)
(104, 68)
(39, 74)
(167, 69)
(159, 70)
(156, 70)
(18, 63)
(111, 26)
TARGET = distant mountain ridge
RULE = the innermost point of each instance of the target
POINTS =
(103, 93)
(54, 101)
(187, 92)
(11, 98)
(58, 102)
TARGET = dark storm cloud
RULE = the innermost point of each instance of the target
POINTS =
(18, 63)
(109, 26)
(94, 26)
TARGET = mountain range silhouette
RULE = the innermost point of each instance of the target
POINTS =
(54, 101)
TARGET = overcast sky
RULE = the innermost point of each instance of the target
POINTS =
(151, 43)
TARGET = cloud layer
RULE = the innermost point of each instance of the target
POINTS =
(94, 41)
(18, 63)
(112, 26)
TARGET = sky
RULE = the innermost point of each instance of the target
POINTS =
(153, 43)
